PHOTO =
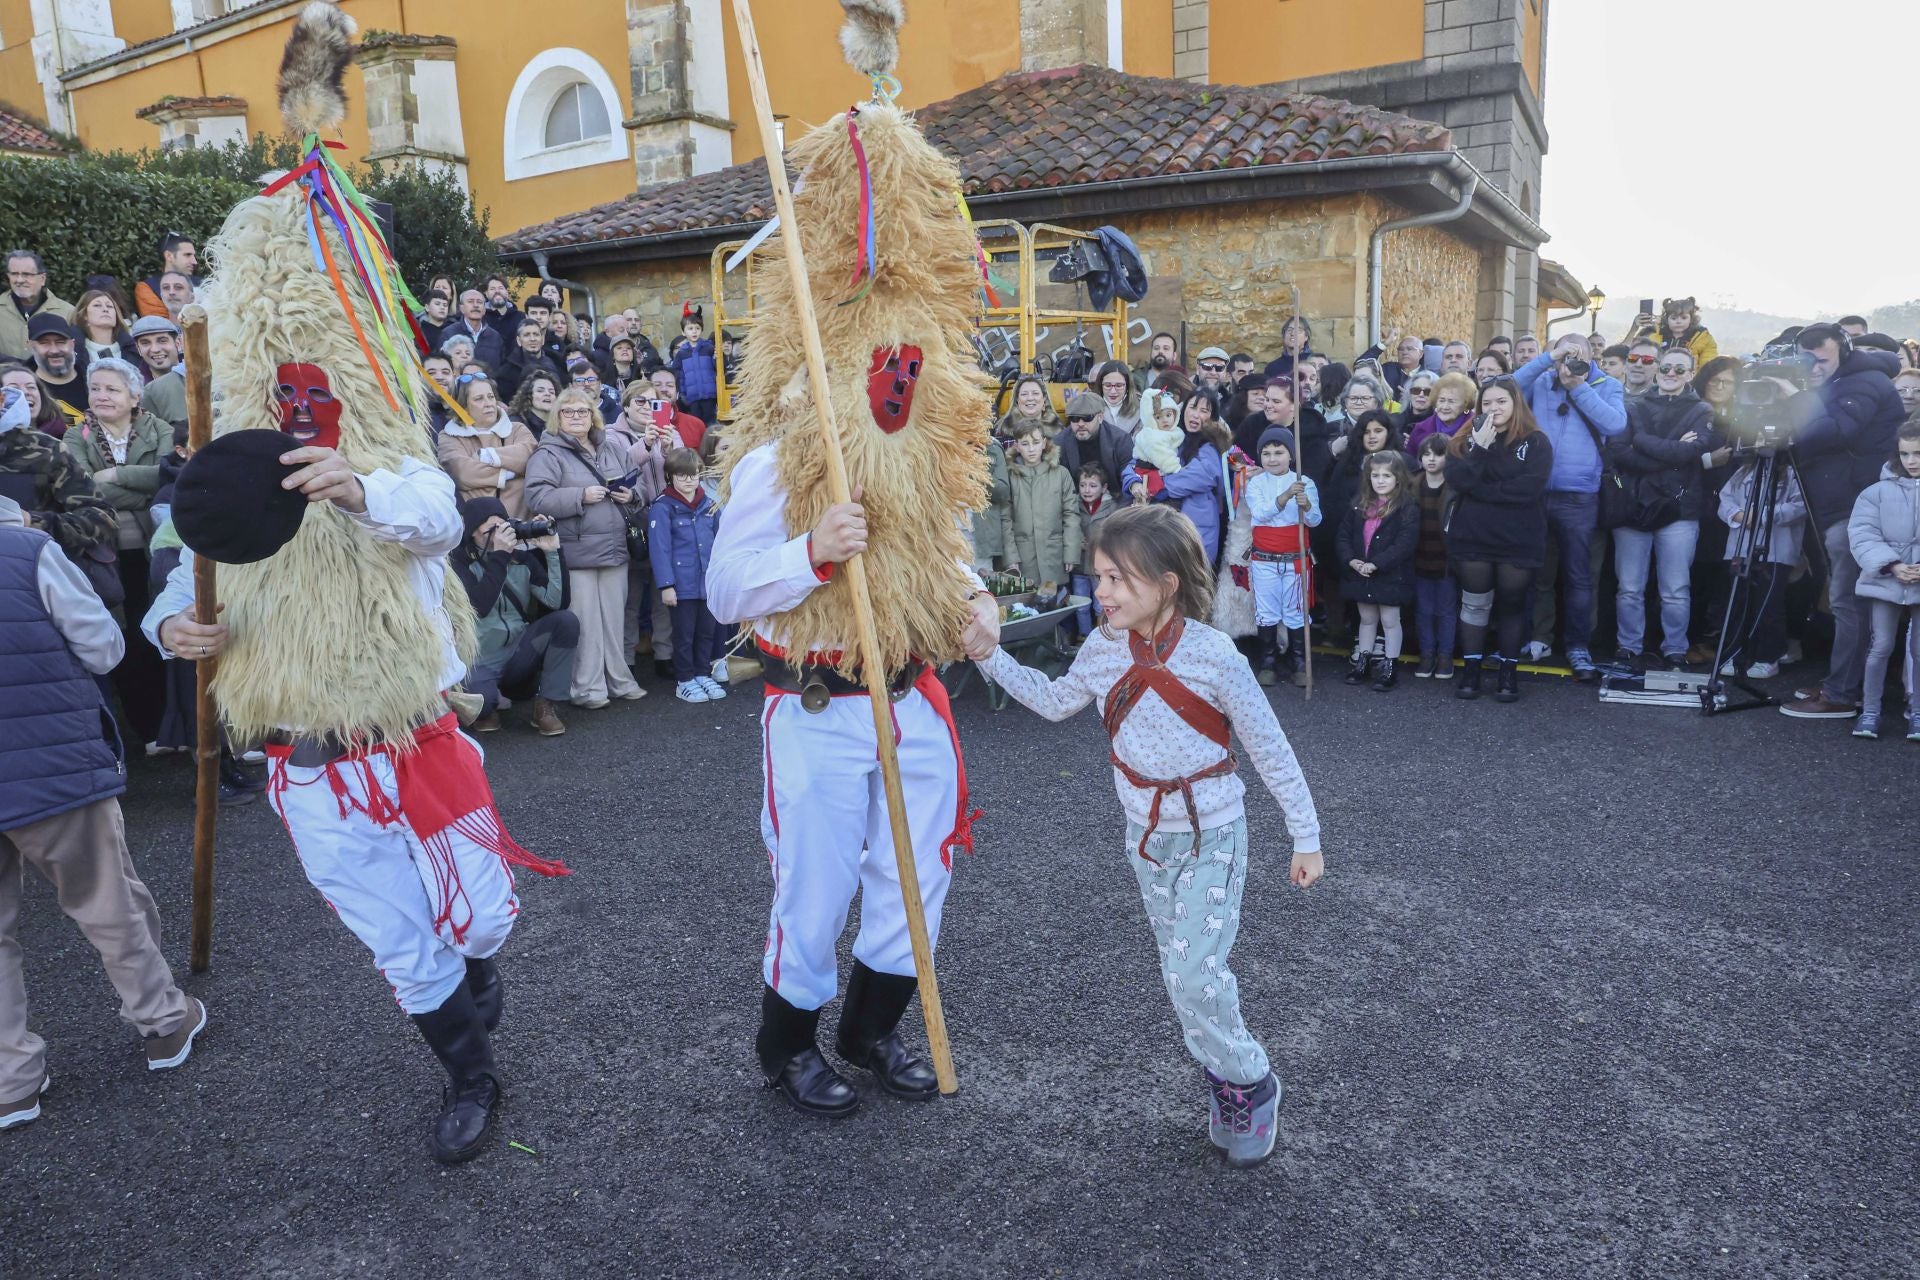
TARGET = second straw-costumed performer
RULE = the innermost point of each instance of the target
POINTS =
(894, 276)
(342, 630)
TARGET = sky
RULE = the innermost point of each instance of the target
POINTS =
(1752, 153)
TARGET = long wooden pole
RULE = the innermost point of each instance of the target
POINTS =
(1304, 558)
(206, 791)
(854, 569)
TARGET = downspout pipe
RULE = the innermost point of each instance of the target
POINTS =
(1377, 248)
(572, 286)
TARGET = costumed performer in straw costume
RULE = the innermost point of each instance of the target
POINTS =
(913, 421)
(341, 627)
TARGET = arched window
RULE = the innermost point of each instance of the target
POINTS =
(562, 115)
(577, 115)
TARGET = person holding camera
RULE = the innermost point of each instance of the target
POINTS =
(1579, 408)
(1843, 428)
(574, 479)
(508, 567)
(1660, 458)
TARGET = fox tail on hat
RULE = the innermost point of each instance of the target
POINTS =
(313, 96)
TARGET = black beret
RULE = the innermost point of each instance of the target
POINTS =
(228, 504)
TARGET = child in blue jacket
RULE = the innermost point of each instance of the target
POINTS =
(693, 366)
(681, 526)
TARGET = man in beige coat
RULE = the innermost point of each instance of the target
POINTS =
(27, 297)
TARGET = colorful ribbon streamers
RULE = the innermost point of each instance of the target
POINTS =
(393, 349)
(988, 293)
(863, 269)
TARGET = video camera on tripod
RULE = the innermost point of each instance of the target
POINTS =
(1760, 422)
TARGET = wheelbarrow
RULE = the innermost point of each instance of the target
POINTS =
(1033, 641)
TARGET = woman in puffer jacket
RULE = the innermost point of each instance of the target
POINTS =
(1884, 535)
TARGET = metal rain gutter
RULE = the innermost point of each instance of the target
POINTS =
(1377, 250)
(593, 303)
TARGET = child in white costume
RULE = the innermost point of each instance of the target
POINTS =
(1172, 694)
(1285, 503)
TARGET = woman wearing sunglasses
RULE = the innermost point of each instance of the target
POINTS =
(1661, 458)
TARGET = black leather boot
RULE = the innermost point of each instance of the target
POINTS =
(472, 1097)
(1386, 674)
(1357, 668)
(868, 1018)
(1509, 690)
(1297, 655)
(1469, 686)
(1265, 655)
(793, 1063)
(489, 996)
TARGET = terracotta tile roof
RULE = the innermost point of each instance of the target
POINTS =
(18, 133)
(1046, 129)
(219, 103)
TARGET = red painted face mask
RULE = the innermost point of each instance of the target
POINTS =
(890, 382)
(308, 411)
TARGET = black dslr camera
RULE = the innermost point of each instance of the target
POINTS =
(528, 530)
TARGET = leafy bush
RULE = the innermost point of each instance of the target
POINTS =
(98, 214)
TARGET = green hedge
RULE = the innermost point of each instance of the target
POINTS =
(104, 214)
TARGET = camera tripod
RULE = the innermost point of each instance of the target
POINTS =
(1773, 465)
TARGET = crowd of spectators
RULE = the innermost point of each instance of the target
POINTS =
(1591, 490)
(1521, 501)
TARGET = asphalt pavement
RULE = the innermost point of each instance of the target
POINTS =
(1588, 991)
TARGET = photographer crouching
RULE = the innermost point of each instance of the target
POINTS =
(1843, 428)
(508, 568)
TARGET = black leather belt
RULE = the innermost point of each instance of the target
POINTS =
(309, 753)
(817, 685)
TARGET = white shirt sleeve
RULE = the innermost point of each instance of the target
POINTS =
(756, 570)
(175, 597)
(414, 508)
(75, 610)
(1054, 699)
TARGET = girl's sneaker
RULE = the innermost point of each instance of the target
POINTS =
(720, 673)
(691, 691)
(1763, 671)
(1245, 1119)
(1868, 725)
(714, 692)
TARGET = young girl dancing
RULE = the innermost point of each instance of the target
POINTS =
(1172, 692)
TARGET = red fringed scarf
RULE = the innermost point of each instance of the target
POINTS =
(443, 789)
(1149, 671)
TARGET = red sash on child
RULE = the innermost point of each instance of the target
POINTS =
(1149, 671)
(1288, 544)
(1280, 539)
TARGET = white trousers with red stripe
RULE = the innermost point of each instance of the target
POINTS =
(827, 833)
(420, 915)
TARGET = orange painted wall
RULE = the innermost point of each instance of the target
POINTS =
(492, 51)
(137, 20)
(18, 88)
(1146, 36)
(1261, 41)
(944, 49)
(494, 46)
(1533, 22)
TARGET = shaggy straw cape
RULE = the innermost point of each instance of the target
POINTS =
(327, 635)
(925, 293)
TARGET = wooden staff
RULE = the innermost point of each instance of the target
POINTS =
(1303, 561)
(854, 569)
(1303, 569)
(206, 791)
